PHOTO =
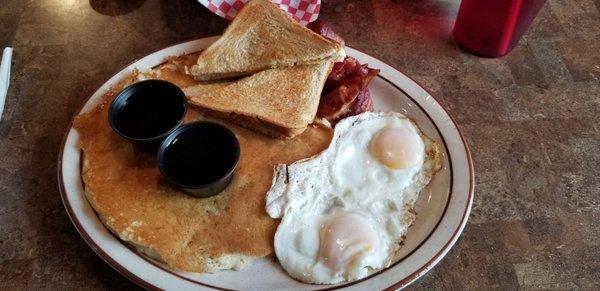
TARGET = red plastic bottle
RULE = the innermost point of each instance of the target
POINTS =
(492, 28)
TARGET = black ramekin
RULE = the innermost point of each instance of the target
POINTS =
(134, 97)
(199, 157)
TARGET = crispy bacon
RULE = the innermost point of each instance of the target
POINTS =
(338, 102)
(346, 91)
(363, 103)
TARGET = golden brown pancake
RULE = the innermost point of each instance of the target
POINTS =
(127, 191)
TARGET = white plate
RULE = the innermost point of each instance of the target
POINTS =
(443, 206)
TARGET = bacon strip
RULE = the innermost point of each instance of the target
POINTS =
(346, 91)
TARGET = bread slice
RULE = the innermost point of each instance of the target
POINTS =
(277, 102)
(262, 37)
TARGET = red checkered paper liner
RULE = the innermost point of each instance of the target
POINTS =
(304, 11)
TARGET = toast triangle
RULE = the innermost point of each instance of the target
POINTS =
(262, 36)
(278, 102)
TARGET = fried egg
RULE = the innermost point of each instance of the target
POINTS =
(345, 211)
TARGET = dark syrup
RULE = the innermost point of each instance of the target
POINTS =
(200, 155)
(149, 112)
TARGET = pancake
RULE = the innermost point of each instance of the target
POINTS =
(132, 199)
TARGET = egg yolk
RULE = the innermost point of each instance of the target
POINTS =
(345, 238)
(397, 148)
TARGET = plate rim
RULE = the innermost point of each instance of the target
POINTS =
(400, 284)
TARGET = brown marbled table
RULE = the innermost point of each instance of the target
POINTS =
(532, 120)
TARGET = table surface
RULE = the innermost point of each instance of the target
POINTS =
(532, 120)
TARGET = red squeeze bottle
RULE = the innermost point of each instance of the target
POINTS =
(492, 28)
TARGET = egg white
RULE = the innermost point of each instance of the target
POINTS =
(346, 179)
